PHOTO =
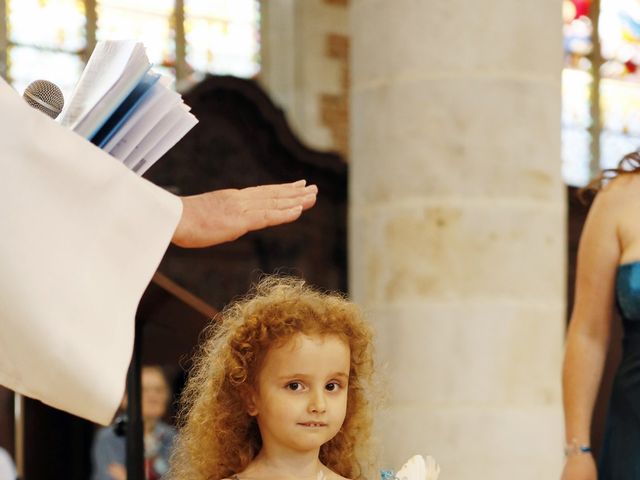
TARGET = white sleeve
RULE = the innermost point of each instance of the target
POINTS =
(80, 239)
(7, 469)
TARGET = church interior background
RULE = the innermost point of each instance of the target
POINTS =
(462, 127)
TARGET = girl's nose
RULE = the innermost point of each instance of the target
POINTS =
(317, 403)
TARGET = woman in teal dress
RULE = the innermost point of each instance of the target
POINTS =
(607, 276)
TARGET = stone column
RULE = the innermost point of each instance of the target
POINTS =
(457, 246)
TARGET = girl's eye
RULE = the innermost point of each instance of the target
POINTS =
(332, 387)
(294, 386)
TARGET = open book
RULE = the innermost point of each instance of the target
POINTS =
(122, 106)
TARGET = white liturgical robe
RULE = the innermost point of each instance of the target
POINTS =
(80, 239)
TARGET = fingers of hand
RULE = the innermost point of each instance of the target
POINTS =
(287, 190)
(270, 217)
(279, 203)
(304, 200)
(308, 201)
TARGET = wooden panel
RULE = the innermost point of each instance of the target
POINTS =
(56, 444)
(7, 431)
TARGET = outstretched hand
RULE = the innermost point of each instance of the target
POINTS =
(224, 215)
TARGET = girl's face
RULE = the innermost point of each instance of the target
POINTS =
(301, 397)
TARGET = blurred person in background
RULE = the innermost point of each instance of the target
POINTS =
(108, 452)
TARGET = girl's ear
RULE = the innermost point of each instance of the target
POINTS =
(252, 410)
(249, 394)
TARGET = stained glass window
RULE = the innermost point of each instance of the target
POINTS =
(222, 36)
(620, 86)
(594, 138)
(148, 21)
(51, 38)
(45, 38)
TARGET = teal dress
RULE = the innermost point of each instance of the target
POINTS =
(620, 456)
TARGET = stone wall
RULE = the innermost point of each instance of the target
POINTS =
(305, 51)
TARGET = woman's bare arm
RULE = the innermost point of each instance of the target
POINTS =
(590, 326)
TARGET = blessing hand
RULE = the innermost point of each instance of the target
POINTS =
(224, 215)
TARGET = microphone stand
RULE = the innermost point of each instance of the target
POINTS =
(135, 439)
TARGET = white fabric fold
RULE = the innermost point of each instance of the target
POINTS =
(80, 239)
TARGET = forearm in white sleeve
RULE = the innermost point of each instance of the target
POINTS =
(80, 239)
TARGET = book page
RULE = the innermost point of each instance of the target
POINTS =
(159, 93)
(126, 110)
(163, 127)
(147, 122)
(114, 69)
(166, 143)
(105, 66)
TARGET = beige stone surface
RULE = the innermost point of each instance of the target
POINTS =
(438, 249)
(457, 241)
(435, 36)
(469, 443)
(460, 136)
(480, 354)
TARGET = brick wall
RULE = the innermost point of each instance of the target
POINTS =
(334, 108)
(305, 68)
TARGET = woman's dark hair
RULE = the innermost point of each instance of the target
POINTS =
(630, 163)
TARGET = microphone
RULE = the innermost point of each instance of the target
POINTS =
(45, 96)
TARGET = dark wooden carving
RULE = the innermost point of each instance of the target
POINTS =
(7, 431)
(242, 140)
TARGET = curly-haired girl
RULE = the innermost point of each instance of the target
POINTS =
(279, 390)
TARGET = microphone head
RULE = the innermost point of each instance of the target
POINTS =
(45, 96)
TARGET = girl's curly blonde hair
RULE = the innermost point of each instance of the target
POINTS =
(218, 437)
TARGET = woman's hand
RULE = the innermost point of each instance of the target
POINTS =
(580, 467)
(224, 215)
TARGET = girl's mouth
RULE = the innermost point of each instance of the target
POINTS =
(313, 424)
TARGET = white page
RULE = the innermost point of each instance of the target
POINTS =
(161, 129)
(174, 136)
(97, 117)
(158, 95)
(106, 65)
(144, 125)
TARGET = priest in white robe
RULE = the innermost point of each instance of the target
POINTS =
(81, 238)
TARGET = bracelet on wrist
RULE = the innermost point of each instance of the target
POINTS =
(573, 448)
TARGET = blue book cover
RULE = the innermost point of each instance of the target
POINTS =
(119, 117)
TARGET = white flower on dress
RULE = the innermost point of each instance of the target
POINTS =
(419, 468)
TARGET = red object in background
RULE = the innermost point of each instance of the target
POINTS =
(149, 471)
(630, 66)
(582, 7)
